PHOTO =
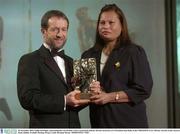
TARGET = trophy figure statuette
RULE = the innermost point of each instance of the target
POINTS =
(84, 73)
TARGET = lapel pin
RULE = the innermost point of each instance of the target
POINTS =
(117, 65)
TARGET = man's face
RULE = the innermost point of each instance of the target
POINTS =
(56, 34)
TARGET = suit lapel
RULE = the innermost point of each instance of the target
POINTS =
(51, 63)
(69, 71)
(113, 58)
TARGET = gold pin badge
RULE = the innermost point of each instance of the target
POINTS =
(117, 65)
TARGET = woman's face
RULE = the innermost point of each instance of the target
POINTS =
(109, 26)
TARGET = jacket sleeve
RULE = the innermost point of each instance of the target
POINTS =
(29, 91)
(140, 79)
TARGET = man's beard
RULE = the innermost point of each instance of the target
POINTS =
(53, 46)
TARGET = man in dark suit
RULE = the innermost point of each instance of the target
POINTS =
(44, 78)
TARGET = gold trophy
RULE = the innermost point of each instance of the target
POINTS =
(84, 73)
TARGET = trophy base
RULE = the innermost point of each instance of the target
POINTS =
(81, 96)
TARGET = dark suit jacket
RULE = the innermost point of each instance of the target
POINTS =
(41, 89)
(133, 76)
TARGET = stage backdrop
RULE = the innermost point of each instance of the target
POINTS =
(20, 34)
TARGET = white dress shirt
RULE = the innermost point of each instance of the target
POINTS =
(103, 61)
(60, 61)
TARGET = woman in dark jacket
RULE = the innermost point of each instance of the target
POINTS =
(124, 74)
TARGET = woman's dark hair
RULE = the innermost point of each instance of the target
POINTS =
(124, 36)
(52, 13)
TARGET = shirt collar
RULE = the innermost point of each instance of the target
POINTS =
(48, 47)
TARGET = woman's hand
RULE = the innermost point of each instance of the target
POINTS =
(113, 97)
(95, 87)
(102, 98)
